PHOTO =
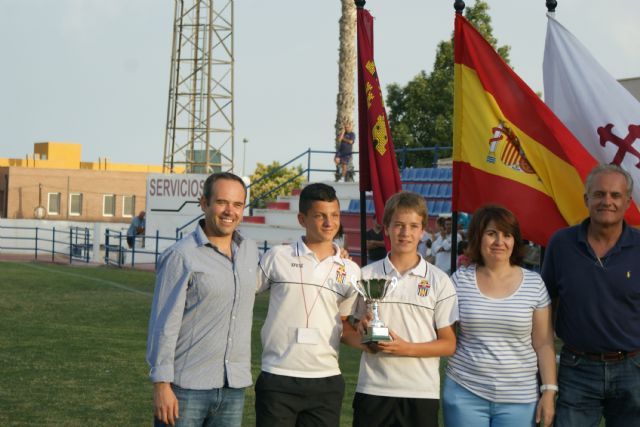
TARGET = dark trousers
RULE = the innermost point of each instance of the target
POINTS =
(302, 402)
(374, 411)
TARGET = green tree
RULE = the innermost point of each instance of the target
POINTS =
(421, 112)
(265, 190)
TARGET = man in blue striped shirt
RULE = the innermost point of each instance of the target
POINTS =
(199, 345)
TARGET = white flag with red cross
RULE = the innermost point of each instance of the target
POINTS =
(598, 110)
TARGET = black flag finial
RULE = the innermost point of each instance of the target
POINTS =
(458, 5)
(551, 6)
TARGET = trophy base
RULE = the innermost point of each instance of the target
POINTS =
(377, 335)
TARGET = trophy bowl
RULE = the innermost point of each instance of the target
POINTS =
(374, 291)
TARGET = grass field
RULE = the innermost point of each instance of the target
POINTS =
(72, 347)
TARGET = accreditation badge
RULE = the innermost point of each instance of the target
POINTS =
(308, 336)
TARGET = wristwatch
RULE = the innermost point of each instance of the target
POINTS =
(545, 387)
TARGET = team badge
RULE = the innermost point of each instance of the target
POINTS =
(341, 274)
(423, 288)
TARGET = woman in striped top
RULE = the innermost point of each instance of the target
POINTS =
(505, 333)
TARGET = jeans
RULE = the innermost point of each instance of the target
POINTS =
(462, 408)
(590, 389)
(218, 407)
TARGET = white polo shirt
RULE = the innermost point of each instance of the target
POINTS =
(423, 301)
(309, 295)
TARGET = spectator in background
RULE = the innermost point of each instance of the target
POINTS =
(531, 258)
(376, 249)
(441, 247)
(344, 153)
(424, 247)
(136, 228)
(463, 255)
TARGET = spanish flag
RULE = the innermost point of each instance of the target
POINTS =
(509, 147)
(378, 166)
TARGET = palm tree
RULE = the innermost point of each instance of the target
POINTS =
(346, 71)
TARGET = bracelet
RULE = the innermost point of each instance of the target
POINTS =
(545, 387)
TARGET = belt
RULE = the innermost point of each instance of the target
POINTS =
(612, 356)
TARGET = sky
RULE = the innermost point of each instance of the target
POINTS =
(96, 72)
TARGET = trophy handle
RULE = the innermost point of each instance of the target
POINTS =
(389, 286)
(357, 285)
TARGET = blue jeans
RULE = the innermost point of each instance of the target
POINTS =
(590, 389)
(218, 407)
(462, 408)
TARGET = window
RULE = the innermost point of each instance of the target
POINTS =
(128, 206)
(53, 205)
(109, 205)
(75, 204)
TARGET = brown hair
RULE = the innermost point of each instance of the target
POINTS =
(405, 200)
(504, 221)
(207, 188)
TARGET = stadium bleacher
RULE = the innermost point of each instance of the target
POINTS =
(432, 183)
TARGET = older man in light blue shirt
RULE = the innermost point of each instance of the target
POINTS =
(199, 346)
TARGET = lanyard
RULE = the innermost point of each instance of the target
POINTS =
(308, 311)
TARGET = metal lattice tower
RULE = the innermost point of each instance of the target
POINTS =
(199, 135)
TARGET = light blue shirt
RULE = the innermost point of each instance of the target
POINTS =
(136, 222)
(201, 317)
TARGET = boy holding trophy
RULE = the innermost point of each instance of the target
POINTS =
(399, 380)
(311, 295)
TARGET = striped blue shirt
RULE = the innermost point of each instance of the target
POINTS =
(201, 316)
(494, 357)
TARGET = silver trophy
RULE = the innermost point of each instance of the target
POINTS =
(373, 291)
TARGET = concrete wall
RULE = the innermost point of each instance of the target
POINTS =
(632, 85)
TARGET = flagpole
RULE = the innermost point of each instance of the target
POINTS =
(551, 10)
(363, 194)
(458, 5)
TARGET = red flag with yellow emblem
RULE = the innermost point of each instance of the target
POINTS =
(378, 166)
(509, 147)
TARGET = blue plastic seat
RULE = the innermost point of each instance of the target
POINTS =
(449, 174)
(370, 206)
(432, 190)
(448, 191)
(354, 206)
(431, 207)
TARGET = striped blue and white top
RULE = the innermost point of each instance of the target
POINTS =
(494, 357)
